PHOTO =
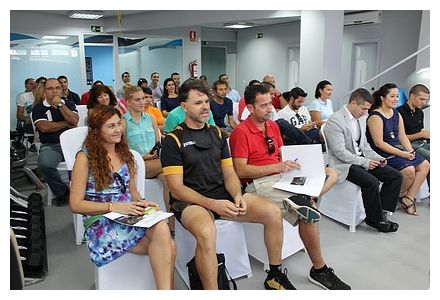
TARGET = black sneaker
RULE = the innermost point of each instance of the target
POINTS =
(328, 280)
(300, 206)
(277, 280)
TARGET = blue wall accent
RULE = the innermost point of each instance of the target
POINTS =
(102, 63)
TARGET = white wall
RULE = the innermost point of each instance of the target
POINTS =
(259, 57)
(398, 36)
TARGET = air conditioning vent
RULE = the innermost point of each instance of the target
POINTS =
(360, 18)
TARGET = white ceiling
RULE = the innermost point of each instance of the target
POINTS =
(114, 13)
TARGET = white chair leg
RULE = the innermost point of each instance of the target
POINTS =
(352, 229)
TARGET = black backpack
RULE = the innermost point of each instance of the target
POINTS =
(18, 149)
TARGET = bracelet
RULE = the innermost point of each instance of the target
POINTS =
(110, 206)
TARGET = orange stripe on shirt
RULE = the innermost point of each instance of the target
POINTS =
(226, 162)
(172, 170)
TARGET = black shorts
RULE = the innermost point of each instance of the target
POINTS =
(177, 207)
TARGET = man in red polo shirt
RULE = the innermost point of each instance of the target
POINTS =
(255, 151)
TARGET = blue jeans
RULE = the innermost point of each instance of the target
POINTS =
(423, 150)
(48, 159)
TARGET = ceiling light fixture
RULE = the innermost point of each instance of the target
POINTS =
(54, 37)
(88, 15)
(239, 25)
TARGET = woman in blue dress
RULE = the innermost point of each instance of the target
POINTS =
(101, 183)
(386, 135)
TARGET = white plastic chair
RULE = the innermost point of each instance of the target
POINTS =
(423, 192)
(254, 233)
(82, 113)
(230, 241)
(343, 202)
(71, 141)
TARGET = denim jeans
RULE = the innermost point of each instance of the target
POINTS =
(48, 159)
(423, 150)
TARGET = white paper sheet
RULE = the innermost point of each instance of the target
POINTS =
(312, 167)
(145, 221)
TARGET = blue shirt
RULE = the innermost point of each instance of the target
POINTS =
(141, 136)
(326, 109)
(219, 111)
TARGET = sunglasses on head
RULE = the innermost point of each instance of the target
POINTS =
(121, 183)
(270, 144)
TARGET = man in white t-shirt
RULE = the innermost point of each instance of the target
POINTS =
(298, 115)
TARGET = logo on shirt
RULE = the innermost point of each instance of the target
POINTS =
(189, 143)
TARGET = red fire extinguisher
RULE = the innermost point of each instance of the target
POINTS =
(193, 69)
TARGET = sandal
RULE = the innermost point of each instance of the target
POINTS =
(408, 207)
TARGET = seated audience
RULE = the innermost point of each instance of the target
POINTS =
(298, 115)
(169, 99)
(142, 135)
(142, 82)
(255, 152)
(412, 115)
(51, 118)
(386, 135)
(322, 107)
(155, 87)
(151, 110)
(205, 187)
(276, 94)
(125, 81)
(103, 180)
(230, 93)
(85, 97)
(351, 155)
(102, 94)
(68, 94)
(177, 115)
(176, 78)
(242, 103)
(222, 107)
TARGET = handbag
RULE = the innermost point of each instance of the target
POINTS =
(223, 276)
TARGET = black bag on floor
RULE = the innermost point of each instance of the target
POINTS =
(223, 276)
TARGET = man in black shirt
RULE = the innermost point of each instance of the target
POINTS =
(412, 115)
(204, 187)
(52, 117)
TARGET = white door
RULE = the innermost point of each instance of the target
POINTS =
(364, 66)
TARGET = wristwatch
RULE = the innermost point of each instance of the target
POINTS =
(61, 104)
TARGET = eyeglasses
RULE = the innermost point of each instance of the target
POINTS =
(270, 145)
(121, 183)
(57, 88)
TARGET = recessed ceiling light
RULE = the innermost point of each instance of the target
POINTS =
(54, 37)
(239, 25)
(88, 15)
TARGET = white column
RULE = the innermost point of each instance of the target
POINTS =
(321, 52)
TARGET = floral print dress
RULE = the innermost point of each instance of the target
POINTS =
(107, 240)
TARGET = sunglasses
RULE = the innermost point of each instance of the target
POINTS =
(121, 183)
(270, 145)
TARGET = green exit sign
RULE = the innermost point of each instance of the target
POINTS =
(96, 28)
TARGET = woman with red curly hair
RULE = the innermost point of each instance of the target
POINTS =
(101, 183)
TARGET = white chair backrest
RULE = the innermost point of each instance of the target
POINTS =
(82, 113)
(140, 172)
(323, 136)
(71, 142)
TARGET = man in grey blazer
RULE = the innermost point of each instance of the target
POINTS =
(352, 157)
